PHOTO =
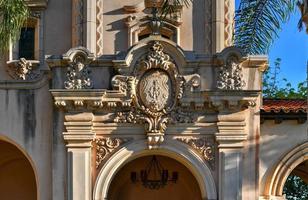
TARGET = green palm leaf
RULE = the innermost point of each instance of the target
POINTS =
(258, 22)
(169, 6)
(13, 14)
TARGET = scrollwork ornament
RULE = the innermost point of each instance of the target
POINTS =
(203, 145)
(230, 75)
(78, 75)
(105, 146)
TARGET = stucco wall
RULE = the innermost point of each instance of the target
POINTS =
(276, 141)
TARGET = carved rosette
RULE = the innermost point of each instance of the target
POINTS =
(204, 146)
(230, 75)
(105, 146)
(155, 88)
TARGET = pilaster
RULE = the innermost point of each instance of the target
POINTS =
(78, 138)
(230, 137)
(84, 24)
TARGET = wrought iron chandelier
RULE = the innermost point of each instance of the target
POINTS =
(154, 176)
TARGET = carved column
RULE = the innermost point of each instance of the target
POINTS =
(79, 137)
(230, 138)
(84, 24)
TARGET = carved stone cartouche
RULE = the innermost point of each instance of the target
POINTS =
(155, 88)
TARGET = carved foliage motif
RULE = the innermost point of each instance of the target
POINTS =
(22, 69)
(105, 146)
(204, 146)
(155, 89)
(230, 75)
(78, 74)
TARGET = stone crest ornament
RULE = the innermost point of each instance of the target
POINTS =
(155, 88)
(23, 69)
(78, 72)
(230, 75)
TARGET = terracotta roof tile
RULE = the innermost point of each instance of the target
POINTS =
(284, 105)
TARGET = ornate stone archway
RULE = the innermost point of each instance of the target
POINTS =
(173, 149)
(279, 174)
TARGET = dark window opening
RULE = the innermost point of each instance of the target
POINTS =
(141, 37)
(26, 43)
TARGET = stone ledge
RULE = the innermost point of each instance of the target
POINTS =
(37, 4)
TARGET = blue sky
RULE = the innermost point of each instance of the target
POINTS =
(292, 48)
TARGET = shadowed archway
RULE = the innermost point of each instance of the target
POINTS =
(185, 187)
(17, 178)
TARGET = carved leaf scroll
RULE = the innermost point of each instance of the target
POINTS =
(204, 146)
(105, 146)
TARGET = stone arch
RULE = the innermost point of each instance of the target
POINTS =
(18, 167)
(279, 174)
(170, 148)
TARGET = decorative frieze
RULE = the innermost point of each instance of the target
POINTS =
(204, 146)
(229, 22)
(105, 146)
(100, 27)
(23, 69)
(230, 76)
(208, 26)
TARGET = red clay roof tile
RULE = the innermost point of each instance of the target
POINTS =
(284, 105)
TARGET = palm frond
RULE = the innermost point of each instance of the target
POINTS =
(258, 22)
(13, 14)
(169, 6)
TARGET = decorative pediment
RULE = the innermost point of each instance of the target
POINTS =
(155, 87)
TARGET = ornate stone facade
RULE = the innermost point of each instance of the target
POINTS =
(128, 94)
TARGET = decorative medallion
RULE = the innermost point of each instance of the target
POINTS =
(155, 88)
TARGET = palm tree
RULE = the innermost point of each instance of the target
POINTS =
(13, 15)
(257, 22)
(303, 7)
